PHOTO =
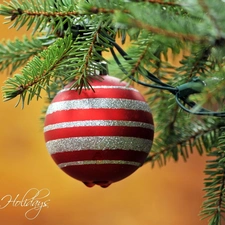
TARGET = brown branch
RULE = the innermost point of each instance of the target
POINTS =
(22, 88)
(161, 3)
(137, 64)
(112, 11)
(172, 34)
(51, 14)
(86, 60)
(96, 10)
(19, 12)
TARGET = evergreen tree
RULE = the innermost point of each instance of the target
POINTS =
(69, 36)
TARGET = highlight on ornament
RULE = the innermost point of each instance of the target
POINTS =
(99, 137)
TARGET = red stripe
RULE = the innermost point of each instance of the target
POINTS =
(93, 174)
(99, 93)
(99, 131)
(98, 114)
(135, 156)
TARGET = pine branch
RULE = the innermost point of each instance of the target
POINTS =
(206, 10)
(88, 62)
(156, 30)
(137, 18)
(141, 55)
(40, 14)
(89, 48)
(139, 61)
(96, 8)
(147, 52)
(14, 54)
(75, 58)
(181, 142)
(211, 13)
(214, 205)
(160, 2)
(196, 63)
(36, 75)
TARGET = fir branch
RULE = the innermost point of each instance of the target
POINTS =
(104, 7)
(89, 48)
(42, 13)
(160, 2)
(14, 54)
(37, 73)
(200, 63)
(139, 61)
(214, 205)
(167, 33)
(88, 58)
(196, 63)
(51, 14)
(210, 14)
(146, 52)
(97, 10)
(182, 26)
(207, 12)
(201, 135)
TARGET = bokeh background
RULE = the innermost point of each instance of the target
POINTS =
(171, 195)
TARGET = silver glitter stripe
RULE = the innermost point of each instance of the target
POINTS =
(99, 162)
(98, 103)
(95, 123)
(98, 143)
(103, 87)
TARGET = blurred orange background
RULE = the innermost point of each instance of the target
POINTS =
(171, 195)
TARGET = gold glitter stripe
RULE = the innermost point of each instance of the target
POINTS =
(98, 103)
(99, 162)
(99, 143)
(96, 123)
(103, 87)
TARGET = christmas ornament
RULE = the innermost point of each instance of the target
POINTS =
(101, 136)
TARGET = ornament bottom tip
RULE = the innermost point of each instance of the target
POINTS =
(103, 184)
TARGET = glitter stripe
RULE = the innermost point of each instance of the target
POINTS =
(96, 123)
(98, 103)
(103, 87)
(98, 143)
(99, 162)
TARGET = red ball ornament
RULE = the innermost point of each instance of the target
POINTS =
(101, 136)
